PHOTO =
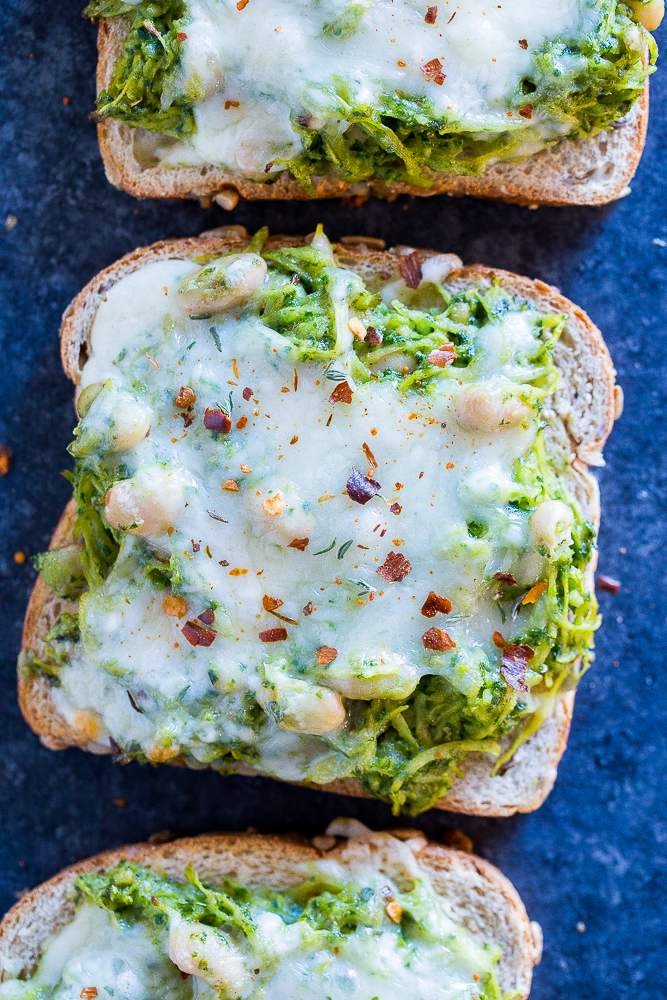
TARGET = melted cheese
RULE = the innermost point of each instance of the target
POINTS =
(290, 453)
(252, 72)
(129, 959)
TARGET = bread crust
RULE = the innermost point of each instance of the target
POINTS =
(585, 405)
(482, 898)
(590, 171)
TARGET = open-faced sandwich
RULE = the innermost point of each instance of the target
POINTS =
(251, 917)
(332, 521)
(539, 103)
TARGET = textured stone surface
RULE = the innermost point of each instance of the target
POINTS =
(596, 853)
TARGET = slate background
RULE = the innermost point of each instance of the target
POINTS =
(596, 852)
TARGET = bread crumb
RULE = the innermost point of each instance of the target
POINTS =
(581, 927)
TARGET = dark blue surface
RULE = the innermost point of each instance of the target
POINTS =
(596, 853)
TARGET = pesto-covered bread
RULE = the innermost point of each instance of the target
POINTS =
(537, 103)
(252, 917)
(332, 521)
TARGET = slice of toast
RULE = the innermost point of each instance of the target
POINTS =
(479, 897)
(591, 171)
(584, 408)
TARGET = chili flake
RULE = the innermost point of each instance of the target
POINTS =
(535, 592)
(271, 603)
(606, 583)
(432, 70)
(410, 268)
(526, 111)
(395, 568)
(230, 486)
(247, 393)
(307, 610)
(207, 617)
(299, 543)
(326, 654)
(434, 603)
(216, 420)
(370, 457)
(442, 356)
(505, 578)
(197, 635)
(373, 337)
(273, 505)
(341, 394)
(273, 635)
(395, 508)
(174, 606)
(185, 398)
(438, 640)
(360, 488)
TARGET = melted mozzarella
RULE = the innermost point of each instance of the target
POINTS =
(251, 72)
(290, 454)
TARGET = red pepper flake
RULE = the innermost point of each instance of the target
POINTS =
(421, 475)
(181, 36)
(431, 15)
(195, 545)
(223, 562)
(383, 533)
(307, 610)
(395, 509)
(433, 71)
(341, 394)
(230, 485)
(609, 584)
(326, 654)
(238, 572)
(434, 603)
(247, 393)
(271, 603)
(231, 104)
(523, 42)
(514, 661)
(443, 355)
(241, 4)
(273, 634)
(526, 111)
(505, 578)
(294, 439)
(329, 420)
(395, 568)
(197, 635)
(450, 465)
(241, 422)
(372, 336)
(152, 361)
(207, 617)
(90, 992)
(216, 420)
(452, 18)
(299, 543)
(410, 268)
(398, 486)
(6, 460)
(360, 488)
(401, 63)
(535, 593)
(370, 457)
(438, 640)
(296, 380)
(185, 398)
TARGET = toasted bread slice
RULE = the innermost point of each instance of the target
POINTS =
(583, 411)
(591, 171)
(479, 897)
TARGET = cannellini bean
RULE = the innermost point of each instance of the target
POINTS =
(387, 676)
(552, 523)
(300, 706)
(486, 408)
(207, 954)
(222, 284)
(130, 423)
(649, 14)
(147, 504)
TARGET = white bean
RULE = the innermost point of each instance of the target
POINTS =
(207, 954)
(300, 706)
(222, 284)
(147, 504)
(130, 423)
(387, 676)
(487, 408)
(649, 14)
(552, 523)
